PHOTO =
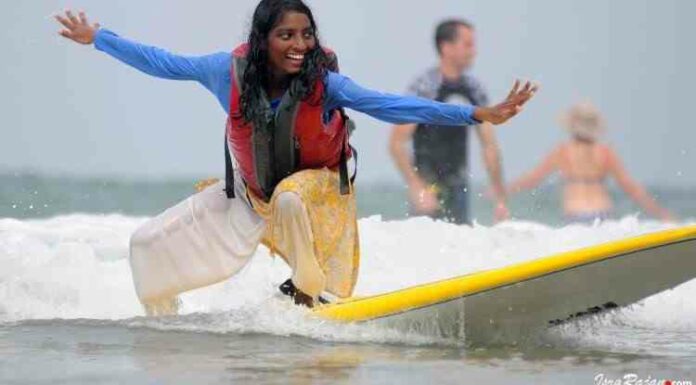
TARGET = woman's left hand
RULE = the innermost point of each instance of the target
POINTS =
(510, 107)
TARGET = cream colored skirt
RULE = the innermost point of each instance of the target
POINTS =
(208, 238)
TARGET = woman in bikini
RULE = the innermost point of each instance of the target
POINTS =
(585, 164)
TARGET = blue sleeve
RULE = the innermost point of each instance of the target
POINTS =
(343, 92)
(209, 70)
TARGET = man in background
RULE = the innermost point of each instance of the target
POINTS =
(437, 175)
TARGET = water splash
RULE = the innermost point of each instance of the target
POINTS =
(76, 266)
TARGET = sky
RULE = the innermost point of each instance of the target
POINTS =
(69, 109)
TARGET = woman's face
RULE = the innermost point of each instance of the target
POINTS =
(288, 42)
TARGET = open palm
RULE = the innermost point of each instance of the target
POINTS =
(77, 28)
(511, 106)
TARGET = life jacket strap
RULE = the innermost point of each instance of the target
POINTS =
(229, 172)
(344, 181)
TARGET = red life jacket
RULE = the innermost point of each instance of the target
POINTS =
(295, 137)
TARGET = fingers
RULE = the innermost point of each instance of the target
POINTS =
(514, 89)
(83, 18)
(66, 23)
(522, 93)
(72, 17)
(519, 95)
(528, 86)
(77, 28)
(526, 96)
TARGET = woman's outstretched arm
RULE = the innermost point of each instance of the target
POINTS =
(538, 174)
(343, 92)
(151, 60)
(635, 190)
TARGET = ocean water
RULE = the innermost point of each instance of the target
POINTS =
(29, 195)
(69, 315)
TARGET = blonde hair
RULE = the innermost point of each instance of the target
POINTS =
(584, 121)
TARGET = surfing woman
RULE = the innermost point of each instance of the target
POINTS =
(286, 148)
(585, 165)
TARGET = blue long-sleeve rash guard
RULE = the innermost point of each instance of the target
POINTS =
(213, 72)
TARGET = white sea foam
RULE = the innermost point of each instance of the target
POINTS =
(76, 266)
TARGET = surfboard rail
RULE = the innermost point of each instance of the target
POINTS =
(399, 301)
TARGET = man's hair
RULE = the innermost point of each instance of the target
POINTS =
(446, 31)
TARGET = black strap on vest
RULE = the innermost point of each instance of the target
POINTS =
(229, 172)
(344, 181)
(239, 67)
(285, 146)
(343, 174)
(343, 171)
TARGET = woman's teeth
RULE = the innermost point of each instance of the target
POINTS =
(295, 56)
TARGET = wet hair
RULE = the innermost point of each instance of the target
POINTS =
(448, 30)
(257, 75)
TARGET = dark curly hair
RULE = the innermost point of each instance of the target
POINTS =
(258, 74)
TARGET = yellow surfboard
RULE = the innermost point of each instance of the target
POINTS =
(507, 302)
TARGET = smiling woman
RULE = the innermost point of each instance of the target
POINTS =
(288, 136)
(289, 42)
(283, 44)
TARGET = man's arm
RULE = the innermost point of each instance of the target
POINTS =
(492, 160)
(421, 196)
(400, 136)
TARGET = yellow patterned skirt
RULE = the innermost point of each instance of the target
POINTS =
(333, 222)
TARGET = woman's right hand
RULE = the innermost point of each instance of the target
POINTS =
(77, 29)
